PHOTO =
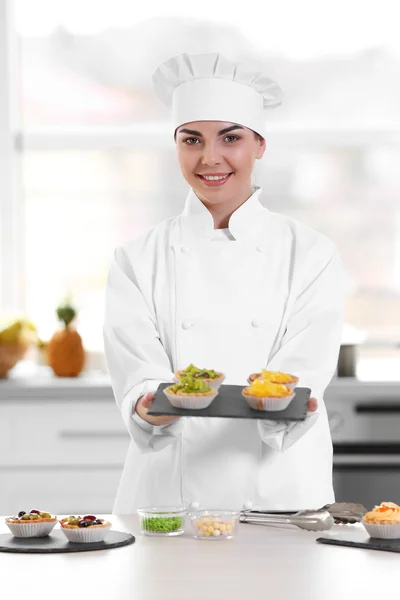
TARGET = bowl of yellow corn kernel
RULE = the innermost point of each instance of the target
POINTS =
(214, 524)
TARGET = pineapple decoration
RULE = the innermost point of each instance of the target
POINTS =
(65, 352)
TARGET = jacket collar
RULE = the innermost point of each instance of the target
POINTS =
(244, 224)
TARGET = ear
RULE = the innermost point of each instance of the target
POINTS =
(261, 148)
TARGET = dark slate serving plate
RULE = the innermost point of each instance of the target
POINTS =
(359, 538)
(57, 542)
(230, 403)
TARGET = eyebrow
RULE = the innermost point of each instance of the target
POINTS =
(222, 132)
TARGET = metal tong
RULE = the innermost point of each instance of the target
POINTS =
(312, 520)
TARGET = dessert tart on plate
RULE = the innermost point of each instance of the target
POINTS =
(84, 530)
(209, 376)
(383, 521)
(36, 523)
(264, 395)
(275, 377)
(190, 393)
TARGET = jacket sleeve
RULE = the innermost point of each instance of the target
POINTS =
(136, 359)
(310, 345)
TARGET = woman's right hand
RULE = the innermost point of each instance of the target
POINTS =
(142, 408)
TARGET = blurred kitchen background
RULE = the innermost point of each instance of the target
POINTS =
(87, 161)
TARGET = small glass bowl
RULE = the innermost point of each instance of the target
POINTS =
(214, 524)
(162, 521)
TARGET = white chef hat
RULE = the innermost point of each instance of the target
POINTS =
(209, 87)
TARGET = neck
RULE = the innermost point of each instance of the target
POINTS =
(222, 211)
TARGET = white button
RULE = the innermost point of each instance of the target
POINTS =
(260, 248)
(186, 324)
(185, 249)
(256, 322)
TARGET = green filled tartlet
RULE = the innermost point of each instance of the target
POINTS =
(209, 376)
(190, 393)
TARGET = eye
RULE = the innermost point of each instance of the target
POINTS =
(235, 137)
(190, 140)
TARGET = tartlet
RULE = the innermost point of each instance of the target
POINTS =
(264, 395)
(84, 530)
(190, 393)
(275, 377)
(212, 378)
(383, 521)
(36, 523)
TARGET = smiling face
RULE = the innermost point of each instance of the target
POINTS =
(218, 149)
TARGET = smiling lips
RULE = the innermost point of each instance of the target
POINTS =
(215, 179)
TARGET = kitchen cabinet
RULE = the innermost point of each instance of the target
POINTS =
(61, 449)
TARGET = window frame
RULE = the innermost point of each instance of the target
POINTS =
(11, 204)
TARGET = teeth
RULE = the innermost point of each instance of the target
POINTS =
(215, 178)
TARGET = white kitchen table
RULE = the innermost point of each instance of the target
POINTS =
(277, 563)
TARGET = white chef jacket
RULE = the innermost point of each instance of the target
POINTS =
(269, 295)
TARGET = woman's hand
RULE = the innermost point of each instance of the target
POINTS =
(142, 408)
(312, 405)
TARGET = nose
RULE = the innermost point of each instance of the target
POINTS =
(210, 155)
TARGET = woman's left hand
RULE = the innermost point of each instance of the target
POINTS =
(312, 405)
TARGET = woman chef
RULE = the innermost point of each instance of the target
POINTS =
(226, 285)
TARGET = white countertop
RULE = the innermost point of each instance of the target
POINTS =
(262, 562)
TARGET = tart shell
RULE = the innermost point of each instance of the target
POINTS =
(269, 403)
(31, 529)
(191, 401)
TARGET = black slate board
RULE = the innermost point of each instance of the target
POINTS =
(360, 539)
(57, 542)
(230, 403)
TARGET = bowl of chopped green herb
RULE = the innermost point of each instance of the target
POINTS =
(162, 521)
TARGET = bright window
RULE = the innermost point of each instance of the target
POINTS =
(98, 165)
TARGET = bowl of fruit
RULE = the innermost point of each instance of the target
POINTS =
(84, 530)
(16, 335)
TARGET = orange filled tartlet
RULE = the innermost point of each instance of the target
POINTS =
(275, 377)
(264, 395)
(386, 512)
(383, 521)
